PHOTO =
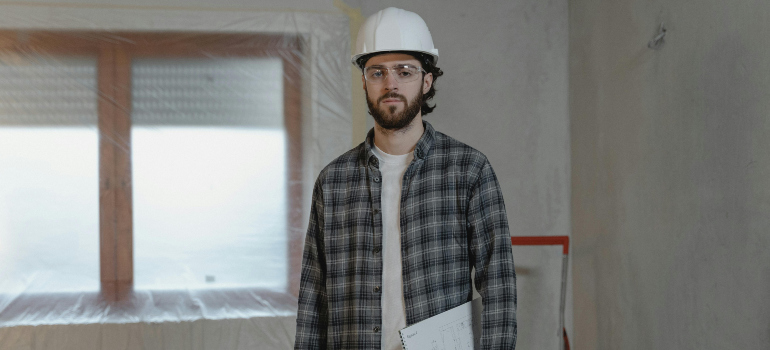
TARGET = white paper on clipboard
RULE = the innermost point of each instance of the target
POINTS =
(455, 329)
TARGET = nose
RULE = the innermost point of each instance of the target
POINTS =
(390, 82)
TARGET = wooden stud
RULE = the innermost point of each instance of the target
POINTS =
(122, 152)
(107, 181)
(292, 109)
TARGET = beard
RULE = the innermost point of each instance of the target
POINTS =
(388, 119)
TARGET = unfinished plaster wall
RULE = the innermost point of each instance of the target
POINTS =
(504, 92)
(670, 163)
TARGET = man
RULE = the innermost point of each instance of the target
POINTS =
(398, 222)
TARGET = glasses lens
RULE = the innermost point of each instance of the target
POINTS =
(405, 74)
(375, 74)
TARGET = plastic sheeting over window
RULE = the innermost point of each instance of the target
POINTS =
(156, 166)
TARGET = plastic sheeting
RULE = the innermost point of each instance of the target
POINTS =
(156, 167)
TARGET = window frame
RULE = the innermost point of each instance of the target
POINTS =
(114, 52)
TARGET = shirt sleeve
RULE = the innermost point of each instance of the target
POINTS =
(312, 310)
(495, 278)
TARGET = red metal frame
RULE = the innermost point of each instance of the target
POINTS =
(542, 240)
(552, 240)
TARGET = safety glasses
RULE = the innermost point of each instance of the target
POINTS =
(403, 73)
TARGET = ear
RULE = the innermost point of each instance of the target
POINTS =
(363, 82)
(427, 82)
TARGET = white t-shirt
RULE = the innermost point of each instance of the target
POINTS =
(392, 169)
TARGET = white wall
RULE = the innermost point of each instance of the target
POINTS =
(504, 92)
(671, 192)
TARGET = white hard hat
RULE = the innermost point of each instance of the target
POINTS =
(394, 29)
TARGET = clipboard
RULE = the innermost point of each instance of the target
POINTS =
(455, 329)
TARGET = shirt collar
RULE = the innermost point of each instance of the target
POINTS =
(421, 150)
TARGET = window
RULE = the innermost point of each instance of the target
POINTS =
(49, 193)
(172, 160)
(208, 164)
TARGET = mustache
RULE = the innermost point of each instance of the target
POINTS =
(391, 95)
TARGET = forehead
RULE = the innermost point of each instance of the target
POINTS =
(390, 59)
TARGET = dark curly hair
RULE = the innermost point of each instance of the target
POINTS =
(427, 64)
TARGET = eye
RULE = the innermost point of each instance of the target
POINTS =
(407, 72)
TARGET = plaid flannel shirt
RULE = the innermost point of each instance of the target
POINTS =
(452, 219)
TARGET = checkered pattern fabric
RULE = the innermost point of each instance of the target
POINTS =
(452, 220)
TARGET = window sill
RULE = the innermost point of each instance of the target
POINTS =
(146, 306)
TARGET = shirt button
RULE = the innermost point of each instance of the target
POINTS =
(376, 329)
(376, 250)
(376, 179)
(376, 211)
(377, 289)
